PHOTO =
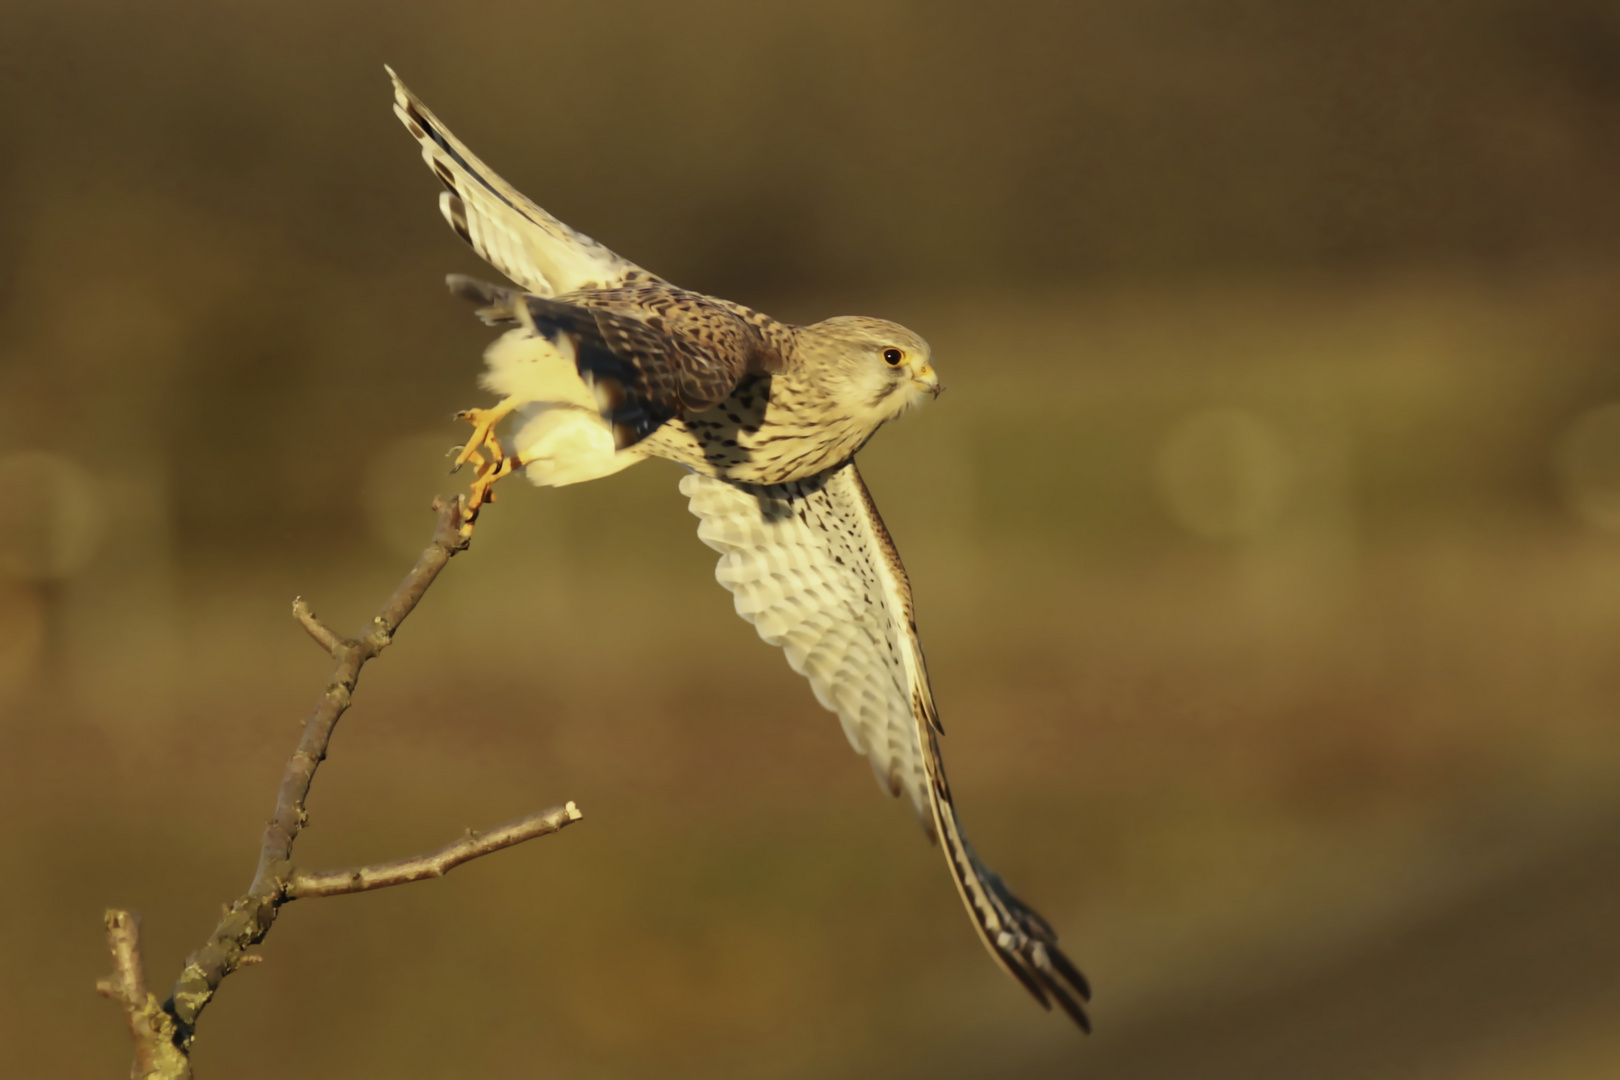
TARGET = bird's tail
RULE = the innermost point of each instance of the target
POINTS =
(499, 305)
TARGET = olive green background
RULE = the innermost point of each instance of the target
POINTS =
(1264, 543)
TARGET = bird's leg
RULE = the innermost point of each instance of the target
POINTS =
(488, 474)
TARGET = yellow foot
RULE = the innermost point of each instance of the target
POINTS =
(483, 436)
(483, 486)
(497, 465)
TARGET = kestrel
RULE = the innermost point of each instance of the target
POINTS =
(606, 364)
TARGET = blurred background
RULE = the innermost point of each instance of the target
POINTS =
(1266, 547)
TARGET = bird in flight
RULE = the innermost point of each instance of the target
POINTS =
(605, 364)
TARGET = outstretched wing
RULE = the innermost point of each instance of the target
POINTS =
(507, 230)
(648, 354)
(813, 568)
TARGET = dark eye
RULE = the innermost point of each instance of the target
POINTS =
(892, 357)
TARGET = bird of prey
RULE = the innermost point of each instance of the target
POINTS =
(606, 364)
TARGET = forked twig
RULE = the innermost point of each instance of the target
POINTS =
(156, 1053)
(163, 1032)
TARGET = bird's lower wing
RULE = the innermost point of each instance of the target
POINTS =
(813, 568)
(501, 224)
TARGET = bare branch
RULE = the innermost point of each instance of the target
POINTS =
(324, 635)
(164, 1031)
(157, 1057)
(436, 864)
(128, 982)
(250, 917)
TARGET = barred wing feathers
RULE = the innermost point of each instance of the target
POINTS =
(812, 567)
(648, 354)
(653, 352)
(799, 559)
(501, 224)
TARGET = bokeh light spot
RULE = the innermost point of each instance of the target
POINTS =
(51, 516)
(1587, 462)
(1225, 474)
(22, 633)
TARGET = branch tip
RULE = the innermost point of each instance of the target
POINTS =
(471, 845)
(153, 1029)
(456, 521)
(324, 635)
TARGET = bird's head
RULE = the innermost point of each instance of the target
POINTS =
(879, 369)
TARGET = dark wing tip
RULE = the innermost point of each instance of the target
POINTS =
(1070, 973)
(1049, 980)
(1072, 1008)
(1020, 968)
(1026, 945)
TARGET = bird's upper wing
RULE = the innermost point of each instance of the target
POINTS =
(813, 568)
(507, 229)
(648, 353)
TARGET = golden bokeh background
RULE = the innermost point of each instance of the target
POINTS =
(1266, 546)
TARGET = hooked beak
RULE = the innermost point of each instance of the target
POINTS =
(928, 379)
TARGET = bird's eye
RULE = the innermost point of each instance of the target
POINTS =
(892, 357)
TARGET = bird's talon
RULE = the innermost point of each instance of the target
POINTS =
(484, 422)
